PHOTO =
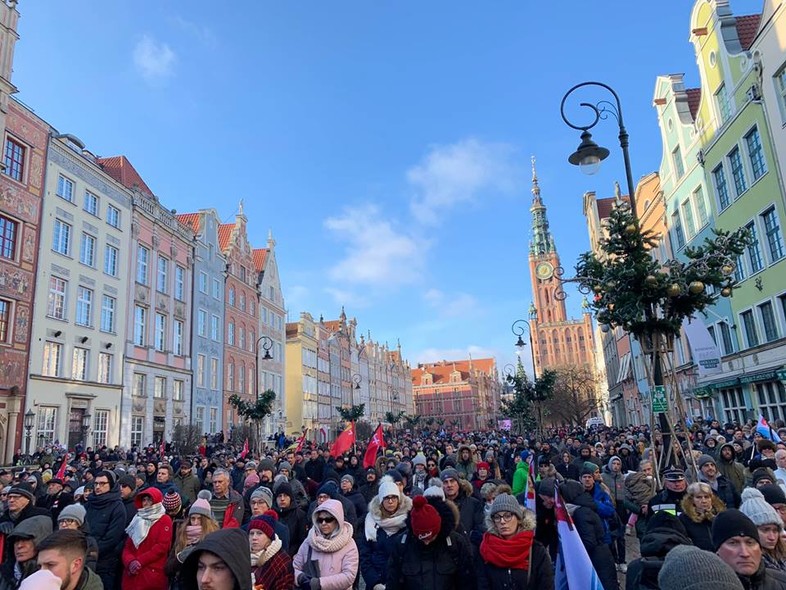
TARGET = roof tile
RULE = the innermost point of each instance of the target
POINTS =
(260, 258)
(747, 27)
(225, 234)
(190, 220)
(694, 98)
(119, 168)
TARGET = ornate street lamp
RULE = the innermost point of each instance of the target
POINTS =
(518, 330)
(267, 344)
(29, 420)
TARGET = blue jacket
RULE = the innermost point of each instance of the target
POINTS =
(606, 510)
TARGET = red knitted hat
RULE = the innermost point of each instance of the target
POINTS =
(483, 465)
(171, 501)
(263, 523)
(425, 519)
(272, 514)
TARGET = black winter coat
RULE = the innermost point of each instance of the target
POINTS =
(106, 516)
(374, 556)
(592, 533)
(539, 576)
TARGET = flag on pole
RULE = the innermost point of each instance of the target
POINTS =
(529, 489)
(297, 446)
(161, 449)
(61, 472)
(377, 442)
(577, 572)
(763, 428)
(344, 441)
(244, 452)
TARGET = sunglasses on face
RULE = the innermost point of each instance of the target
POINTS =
(325, 519)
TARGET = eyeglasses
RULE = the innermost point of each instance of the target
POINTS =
(325, 519)
(503, 517)
(100, 483)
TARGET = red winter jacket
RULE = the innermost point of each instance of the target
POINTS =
(151, 553)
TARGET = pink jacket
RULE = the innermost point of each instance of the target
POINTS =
(337, 556)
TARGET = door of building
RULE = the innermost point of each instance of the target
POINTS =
(75, 428)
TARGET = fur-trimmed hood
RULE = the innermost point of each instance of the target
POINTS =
(690, 510)
(527, 523)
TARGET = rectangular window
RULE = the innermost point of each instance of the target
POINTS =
(726, 341)
(723, 102)
(214, 374)
(214, 328)
(177, 390)
(113, 216)
(679, 166)
(111, 257)
(241, 379)
(780, 88)
(687, 215)
(159, 387)
(84, 306)
(200, 370)
(142, 264)
(177, 338)
(767, 314)
(14, 159)
(100, 427)
(737, 171)
(755, 154)
(216, 289)
(79, 365)
(231, 333)
(91, 203)
(679, 235)
(137, 430)
(202, 323)
(61, 241)
(772, 229)
(734, 406)
(231, 377)
(140, 325)
(8, 237)
(65, 188)
(56, 307)
(180, 283)
(160, 335)
(87, 254)
(5, 321)
(200, 419)
(739, 270)
(108, 306)
(749, 326)
(53, 359)
(772, 400)
(754, 249)
(104, 367)
(701, 206)
(782, 300)
(721, 187)
(140, 385)
(162, 280)
(203, 282)
(47, 423)
(213, 420)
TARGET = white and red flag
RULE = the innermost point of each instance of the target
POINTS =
(576, 572)
(377, 442)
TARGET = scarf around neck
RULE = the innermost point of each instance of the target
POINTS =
(511, 553)
(142, 521)
(391, 524)
(330, 544)
(261, 558)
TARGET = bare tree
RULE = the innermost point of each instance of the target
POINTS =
(574, 398)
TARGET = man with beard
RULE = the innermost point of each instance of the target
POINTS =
(63, 553)
(721, 487)
(56, 499)
(106, 517)
(188, 483)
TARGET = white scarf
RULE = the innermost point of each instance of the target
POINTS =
(141, 523)
(391, 525)
(261, 558)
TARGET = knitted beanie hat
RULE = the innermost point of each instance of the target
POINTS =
(284, 465)
(449, 473)
(348, 478)
(755, 507)
(762, 473)
(425, 519)
(23, 489)
(73, 512)
(482, 465)
(773, 493)
(128, 481)
(172, 501)
(263, 523)
(420, 459)
(251, 480)
(547, 486)
(707, 571)
(262, 493)
(703, 460)
(434, 492)
(329, 488)
(285, 489)
(202, 505)
(506, 503)
(732, 523)
(589, 468)
(387, 488)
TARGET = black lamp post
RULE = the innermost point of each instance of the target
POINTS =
(29, 420)
(518, 330)
(267, 344)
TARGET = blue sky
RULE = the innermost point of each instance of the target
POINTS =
(386, 145)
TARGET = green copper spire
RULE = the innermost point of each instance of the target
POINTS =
(542, 242)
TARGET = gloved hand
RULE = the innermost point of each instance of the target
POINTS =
(134, 567)
(315, 585)
(6, 527)
(304, 581)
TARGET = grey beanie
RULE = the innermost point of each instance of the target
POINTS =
(74, 512)
(707, 571)
(703, 460)
(349, 478)
(285, 465)
(419, 459)
(755, 507)
(506, 503)
(449, 473)
(263, 493)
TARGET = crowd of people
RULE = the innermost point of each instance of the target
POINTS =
(434, 511)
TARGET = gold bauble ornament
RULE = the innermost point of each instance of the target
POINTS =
(630, 229)
(597, 288)
(696, 287)
(727, 269)
(650, 280)
(673, 290)
(726, 292)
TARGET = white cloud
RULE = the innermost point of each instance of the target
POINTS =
(434, 355)
(376, 253)
(458, 305)
(459, 173)
(154, 60)
(203, 33)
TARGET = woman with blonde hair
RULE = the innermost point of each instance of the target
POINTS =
(200, 523)
(700, 506)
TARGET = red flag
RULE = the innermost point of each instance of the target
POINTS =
(344, 441)
(61, 472)
(530, 497)
(301, 441)
(161, 449)
(244, 452)
(377, 442)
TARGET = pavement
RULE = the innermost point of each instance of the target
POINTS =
(632, 552)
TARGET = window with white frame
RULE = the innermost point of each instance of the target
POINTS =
(111, 257)
(252, 340)
(137, 430)
(772, 231)
(687, 216)
(242, 301)
(724, 103)
(780, 89)
(47, 424)
(159, 387)
(65, 188)
(162, 277)
(241, 378)
(200, 419)
(142, 264)
(87, 253)
(231, 333)
(739, 269)
(79, 366)
(5, 321)
(140, 325)
(755, 153)
(251, 380)
(14, 159)
(701, 206)
(9, 233)
(782, 303)
(679, 165)
(53, 359)
(213, 420)
(241, 341)
(214, 374)
(180, 283)
(231, 376)
(721, 187)
(177, 390)
(677, 232)
(734, 407)
(215, 323)
(737, 171)
(201, 370)
(203, 282)
(91, 203)
(105, 367)
(108, 307)
(202, 322)
(754, 249)
(84, 306)
(113, 216)
(160, 332)
(749, 327)
(216, 289)
(768, 321)
(772, 400)
(231, 300)
(58, 292)
(140, 385)
(61, 239)
(177, 337)
(727, 344)
(100, 427)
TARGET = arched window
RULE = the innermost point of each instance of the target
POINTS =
(232, 296)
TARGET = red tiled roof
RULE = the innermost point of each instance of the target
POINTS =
(606, 205)
(694, 98)
(224, 234)
(119, 168)
(332, 326)
(190, 220)
(747, 27)
(441, 371)
(260, 258)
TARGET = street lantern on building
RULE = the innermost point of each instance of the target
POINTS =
(29, 420)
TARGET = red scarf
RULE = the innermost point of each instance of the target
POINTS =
(509, 553)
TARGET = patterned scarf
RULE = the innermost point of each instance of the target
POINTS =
(141, 523)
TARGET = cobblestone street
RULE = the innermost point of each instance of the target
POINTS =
(632, 552)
